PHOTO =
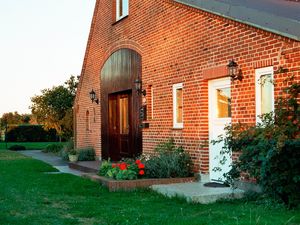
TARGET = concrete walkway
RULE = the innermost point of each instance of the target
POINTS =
(196, 192)
(53, 160)
(193, 192)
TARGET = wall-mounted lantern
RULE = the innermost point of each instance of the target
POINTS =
(233, 71)
(138, 87)
(93, 97)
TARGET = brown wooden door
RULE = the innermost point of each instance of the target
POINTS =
(119, 125)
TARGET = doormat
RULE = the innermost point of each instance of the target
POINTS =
(216, 185)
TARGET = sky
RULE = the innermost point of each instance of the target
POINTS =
(42, 43)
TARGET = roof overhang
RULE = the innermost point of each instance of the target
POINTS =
(278, 19)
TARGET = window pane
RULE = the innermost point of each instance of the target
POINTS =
(266, 93)
(125, 8)
(179, 106)
(124, 120)
(120, 8)
(223, 103)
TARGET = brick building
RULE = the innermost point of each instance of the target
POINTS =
(178, 52)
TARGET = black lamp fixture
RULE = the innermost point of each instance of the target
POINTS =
(233, 71)
(93, 97)
(138, 87)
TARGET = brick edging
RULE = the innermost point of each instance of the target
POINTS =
(115, 185)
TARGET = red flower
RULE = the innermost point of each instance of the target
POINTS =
(138, 161)
(141, 166)
(113, 165)
(123, 166)
(142, 172)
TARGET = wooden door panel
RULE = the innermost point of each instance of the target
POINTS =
(118, 74)
(119, 126)
(113, 129)
(124, 117)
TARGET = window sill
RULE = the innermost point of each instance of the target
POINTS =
(177, 128)
(117, 21)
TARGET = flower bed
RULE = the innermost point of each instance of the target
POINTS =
(127, 185)
(125, 170)
(168, 164)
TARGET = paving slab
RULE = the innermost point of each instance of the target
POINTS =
(196, 192)
(53, 160)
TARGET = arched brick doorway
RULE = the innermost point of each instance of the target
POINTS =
(121, 136)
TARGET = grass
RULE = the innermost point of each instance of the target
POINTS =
(28, 195)
(28, 145)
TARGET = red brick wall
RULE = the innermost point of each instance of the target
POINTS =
(177, 43)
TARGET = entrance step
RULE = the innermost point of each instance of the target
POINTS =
(86, 166)
(196, 192)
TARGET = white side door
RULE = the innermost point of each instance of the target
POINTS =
(219, 116)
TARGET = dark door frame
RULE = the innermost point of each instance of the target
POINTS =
(118, 74)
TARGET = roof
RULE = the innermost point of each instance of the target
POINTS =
(278, 16)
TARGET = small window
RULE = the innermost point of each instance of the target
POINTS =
(122, 8)
(87, 120)
(264, 91)
(177, 106)
(94, 110)
(151, 101)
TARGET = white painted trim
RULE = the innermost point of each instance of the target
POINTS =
(258, 74)
(212, 86)
(125, 11)
(175, 88)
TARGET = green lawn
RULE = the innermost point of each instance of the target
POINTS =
(28, 145)
(30, 196)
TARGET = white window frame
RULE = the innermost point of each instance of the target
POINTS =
(125, 9)
(258, 73)
(175, 124)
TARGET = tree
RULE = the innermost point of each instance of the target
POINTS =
(53, 107)
(14, 118)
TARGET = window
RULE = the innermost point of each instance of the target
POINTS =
(151, 102)
(177, 106)
(94, 110)
(87, 120)
(122, 7)
(223, 102)
(264, 91)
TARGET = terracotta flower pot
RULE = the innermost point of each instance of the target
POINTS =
(73, 158)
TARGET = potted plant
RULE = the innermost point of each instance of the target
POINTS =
(73, 156)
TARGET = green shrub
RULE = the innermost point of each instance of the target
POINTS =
(53, 148)
(68, 146)
(270, 150)
(86, 154)
(30, 133)
(104, 167)
(169, 161)
(17, 147)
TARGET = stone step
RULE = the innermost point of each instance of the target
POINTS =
(86, 166)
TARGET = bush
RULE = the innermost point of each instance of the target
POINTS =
(17, 148)
(68, 146)
(53, 148)
(86, 154)
(30, 133)
(169, 161)
(270, 150)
